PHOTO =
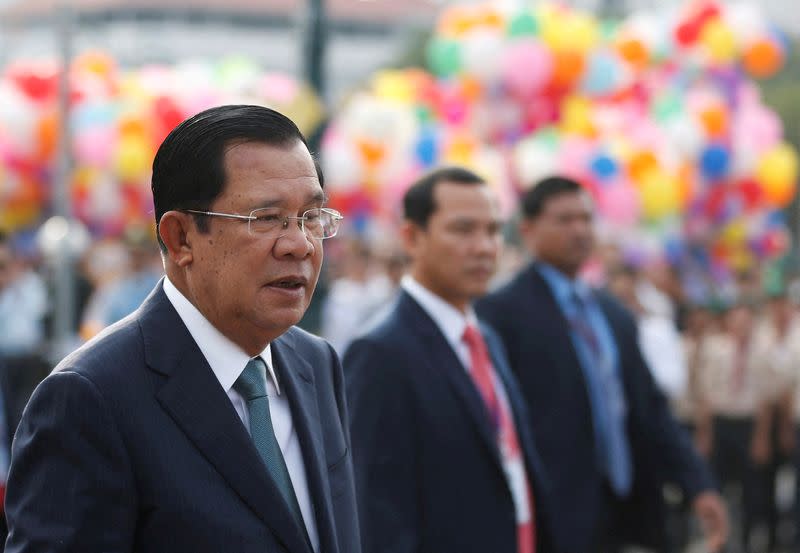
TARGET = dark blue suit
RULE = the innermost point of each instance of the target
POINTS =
(541, 353)
(428, 470)
(133, 445)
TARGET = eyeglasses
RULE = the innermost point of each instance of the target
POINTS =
(318, 223)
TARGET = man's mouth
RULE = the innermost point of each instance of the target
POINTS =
(289, 282)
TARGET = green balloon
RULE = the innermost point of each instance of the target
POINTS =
(424, 114)
(667, 107)
(444, 57)
(524, 24)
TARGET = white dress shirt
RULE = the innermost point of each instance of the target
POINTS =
(227, 361)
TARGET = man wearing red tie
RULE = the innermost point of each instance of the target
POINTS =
(443, 458)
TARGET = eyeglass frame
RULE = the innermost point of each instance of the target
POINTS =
(284, 220)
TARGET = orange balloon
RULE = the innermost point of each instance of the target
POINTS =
(47, 133)
(568, 66)
(490, 18)
(715, 121)
(778, 194)
(641, 164)
(457, 20)
(95, 62)
(686, 184)
(371, 152)
(762, 59)
(132, 126)
(471, 88)
(634, 52)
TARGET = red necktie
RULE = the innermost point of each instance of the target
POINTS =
(482, 373)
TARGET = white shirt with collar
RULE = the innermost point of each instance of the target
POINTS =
(450, 320)
(227, 361)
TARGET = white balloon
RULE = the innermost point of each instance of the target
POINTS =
(341, 166)
(533, 161)
(18, 118)
(686, 135)
(481, 52)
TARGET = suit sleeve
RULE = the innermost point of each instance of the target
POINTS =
(675, 453)
(70, 487)
(384, 450)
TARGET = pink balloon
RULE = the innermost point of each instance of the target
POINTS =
(526, 67)
(95, 146)
(758, 127)
(575, 156)
(620, 204)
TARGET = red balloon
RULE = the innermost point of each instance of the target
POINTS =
(687, 33)
(39, 86)
(751, 193)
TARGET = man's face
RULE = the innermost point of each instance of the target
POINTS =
(562, 235)
(456, 255)
(253, 287)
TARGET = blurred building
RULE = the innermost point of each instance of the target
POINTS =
(363, 35)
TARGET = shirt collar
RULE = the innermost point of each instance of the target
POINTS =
(561, 285)
(450, 320)
(227, 360)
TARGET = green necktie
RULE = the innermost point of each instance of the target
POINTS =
(251, 384)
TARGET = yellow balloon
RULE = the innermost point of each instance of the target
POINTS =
(719, 41)
(133, 158)
(740, 259)
(577, 116)
(734, 234)
(394, 86)
(660, 195)
(562, 30)
(777, 172)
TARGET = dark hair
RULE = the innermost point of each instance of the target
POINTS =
(189, 167)
(418, 202)
(534, 200)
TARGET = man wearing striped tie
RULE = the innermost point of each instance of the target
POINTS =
(604, 430)
(443, 458)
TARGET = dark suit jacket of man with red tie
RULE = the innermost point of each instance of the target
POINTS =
(428, 472)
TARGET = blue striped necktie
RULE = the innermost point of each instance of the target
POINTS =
(616, 449)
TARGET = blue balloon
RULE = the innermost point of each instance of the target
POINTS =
(604, 167)
(715, 162)
(775, 219)
(603, 74)
(93, 115)
(427, 149)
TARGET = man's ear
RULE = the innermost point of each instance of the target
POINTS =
(527, 232)
(174, 230)
(410, 236)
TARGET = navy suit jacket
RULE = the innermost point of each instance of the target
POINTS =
(537, 338)
(132, 445)
(428, 470)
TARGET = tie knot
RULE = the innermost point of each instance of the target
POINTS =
(252, 382)
(472, 337)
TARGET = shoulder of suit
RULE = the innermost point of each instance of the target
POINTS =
(109, 355)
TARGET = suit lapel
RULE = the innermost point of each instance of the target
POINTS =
(297, 376)
(197, 403)
(445, 360)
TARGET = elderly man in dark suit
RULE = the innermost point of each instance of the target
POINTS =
(443, 455)
(204, 421)
(604, 430)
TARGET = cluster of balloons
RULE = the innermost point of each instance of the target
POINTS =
(658, 115)
(117, 119)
